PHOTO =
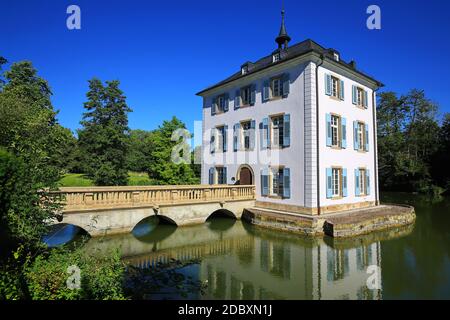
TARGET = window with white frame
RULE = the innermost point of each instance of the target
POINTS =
(276, 57)
(220, 138)
(221, 103)
(276, 87)
(246, 126)
(221, 176)
(362, 182)
(246, 95)
(276, 188)
(361, 135)
(277, 130)
(335, 130)
(335, 83)
(336, 176)
(360, 97)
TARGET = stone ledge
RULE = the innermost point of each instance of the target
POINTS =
(340, 225)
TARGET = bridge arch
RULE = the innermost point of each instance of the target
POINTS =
(62, 233)
(222, 213)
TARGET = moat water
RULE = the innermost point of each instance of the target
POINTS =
(240, 261)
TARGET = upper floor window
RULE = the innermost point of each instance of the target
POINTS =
(334, 87)
(244, 69)
(359, 97)
(246, 134)
(277, 126)
(336, 56)
(276, 87)
(246, 95)
(221, 103)
(275, 131)
(336, 131)
(220, 138)
(361, 136)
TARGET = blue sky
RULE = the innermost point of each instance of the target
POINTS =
(163, 52)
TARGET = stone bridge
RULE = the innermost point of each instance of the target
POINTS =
(111, 210)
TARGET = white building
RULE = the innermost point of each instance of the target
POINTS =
(300, 124)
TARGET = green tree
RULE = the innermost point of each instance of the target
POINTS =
(161, 168)
(32, 142)
(139, 143)
(103, 138)
(407, 140)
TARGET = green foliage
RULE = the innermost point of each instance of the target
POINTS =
(139, 142)
(103, 139)
(161, 168)
(407, 141)
(440, 168)
(101, 276)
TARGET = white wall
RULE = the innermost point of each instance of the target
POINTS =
(300, 102)
(290, 157)
(347, 158)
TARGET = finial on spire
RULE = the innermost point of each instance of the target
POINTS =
(283, 38)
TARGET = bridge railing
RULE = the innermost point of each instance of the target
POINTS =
(88, 198)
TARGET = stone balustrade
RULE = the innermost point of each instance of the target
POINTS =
(91, 198)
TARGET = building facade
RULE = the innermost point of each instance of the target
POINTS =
(300, 124)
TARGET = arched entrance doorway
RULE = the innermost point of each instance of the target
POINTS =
(245, 175)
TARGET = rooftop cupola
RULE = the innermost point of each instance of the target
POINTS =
(283, 38)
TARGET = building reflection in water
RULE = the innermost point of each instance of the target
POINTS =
(243, 262)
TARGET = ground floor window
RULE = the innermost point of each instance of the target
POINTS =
(277, 182)
(221, 175)
(362, 182)
(336, 182)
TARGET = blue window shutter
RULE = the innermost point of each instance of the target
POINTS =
(287, 130)
(265, 91)
(212, 141)
(365, 100)
(328, 84)
(252, 94)
(286, 85)
(344, 182)
(213, 106)
(252, 134)
(354, 95)
(237, 99)
(211, 175)
(366, 137)
(265, 182)
(329, 183)
(225, 177)
(225, 140)
(344, 133)
(226, 102)
(328, 126)
(235, 136)
(355, 135)
(368, 181)
(357, 192)
(341, 92)
(286, 183)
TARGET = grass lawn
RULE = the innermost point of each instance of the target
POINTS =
(81, 180)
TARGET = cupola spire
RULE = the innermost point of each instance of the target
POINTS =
(283, 38)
